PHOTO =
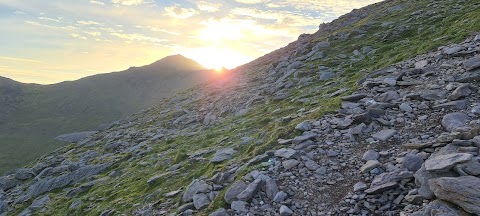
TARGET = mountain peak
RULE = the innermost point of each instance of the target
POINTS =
(178, 61)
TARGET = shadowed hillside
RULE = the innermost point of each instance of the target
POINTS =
(32, 115)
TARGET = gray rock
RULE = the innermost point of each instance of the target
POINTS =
(463, 191)
(394, 176)
(304, 126)
(455, 120)
(443, 163)
(52, 183)
(271, 188)
(285, 211)
(476, 110)
(472, 64)
(359, 186)
(311, 165)
(155, 178)
(76, 204)
(7, 182)
(439, 207)
(239, 206)
(200, 201)
(250, 191)
(460, 92)
(280, 197)
(39, 203)
(233, 191)
(219, 212)
(453, 50)
(405, 107)
(286, 153)
(412, 162)
(381, 188)
(222, 155)
(289, 164)
(23, 174)
(421, 64)
(370, 165)
(75, 137)
(384, 135)
(299, 139)
(453, 105)
(422, 178)
(370, 155)
(354, 97)
(326, 76)
(197, 186)
(3, 207)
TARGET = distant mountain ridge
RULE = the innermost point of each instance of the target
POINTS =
(31, 115)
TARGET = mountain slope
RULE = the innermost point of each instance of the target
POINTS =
(283, 134)
(32, 115)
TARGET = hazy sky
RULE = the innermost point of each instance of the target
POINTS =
(48, 41)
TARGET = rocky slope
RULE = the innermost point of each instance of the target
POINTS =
(375, 114)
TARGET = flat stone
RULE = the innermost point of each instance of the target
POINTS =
(463, 191)
(443, 163)
(381, 188)
(311, 165)
(304, 126)
(299, 139)
(370, 165)
(370, 155)
(354, 97)
(222, 155)
(405, 107)
(442, 208)
(289, 164)
(219, 212)
(286, 153)
(384, 135)
(455, 120)
(452, 105)
(200, 201)
(421, 64)
(239, 206)
(197, 186)
(460, 92)
(233, 191)
(359, 186)
(472, 64)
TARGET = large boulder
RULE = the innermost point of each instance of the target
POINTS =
(443, 163)
(455, 120)
(197, 186)
(463, 191)
(234, 190)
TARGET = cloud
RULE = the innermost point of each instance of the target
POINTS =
(128, 2)
(84, 22)
(97, 2)
(19, 59)
(208, 6)
(138, 37)
(179, 12)
(19, 12)
(93, 33)
(50, 19)
(75, 35)
(285, 18)
(252, 1)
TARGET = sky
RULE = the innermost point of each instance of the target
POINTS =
(49, 41)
